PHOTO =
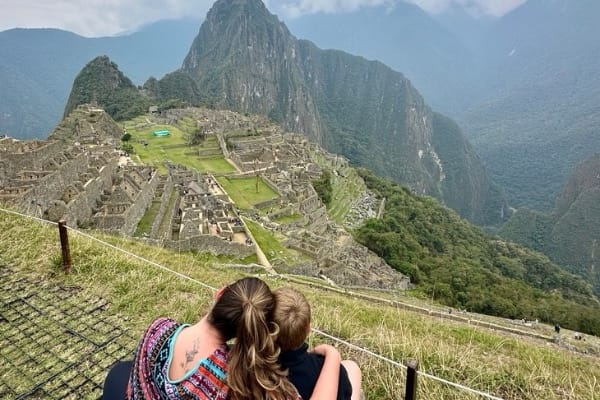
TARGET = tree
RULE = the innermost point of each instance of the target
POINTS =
(196, 137)
(323, 187)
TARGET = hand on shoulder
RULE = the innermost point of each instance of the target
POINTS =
(327, 350)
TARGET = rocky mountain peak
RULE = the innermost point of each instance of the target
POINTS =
(237, 7)
(246, 60)
(101, 83)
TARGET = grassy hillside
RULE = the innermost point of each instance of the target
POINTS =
(509, 366)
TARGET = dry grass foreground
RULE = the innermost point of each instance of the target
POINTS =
(507, 366)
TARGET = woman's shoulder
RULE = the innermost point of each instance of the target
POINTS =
(163, 322)
(160, 327)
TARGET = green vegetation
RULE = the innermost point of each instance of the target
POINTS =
(145, 225)
(165, 224)
(100, 81)
(346, 187)
(323, 187)
(174, 89)
(287, 219)
(456, 264)
(271, 245)
(154, 150)
(509, 366)
(569, 234)
(243, 191)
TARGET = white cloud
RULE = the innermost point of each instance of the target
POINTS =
(109, 17)
(294, 8)
(489, 7)
(96, 17)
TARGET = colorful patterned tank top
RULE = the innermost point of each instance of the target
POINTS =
(149, 378)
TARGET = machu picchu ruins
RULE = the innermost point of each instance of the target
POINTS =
(82, 174)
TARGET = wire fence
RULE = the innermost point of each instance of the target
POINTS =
(411, 367)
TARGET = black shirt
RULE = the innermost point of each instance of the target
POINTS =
(304, 369)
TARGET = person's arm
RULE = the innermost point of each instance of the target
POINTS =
(327, 384)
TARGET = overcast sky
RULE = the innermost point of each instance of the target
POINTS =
(110, 17)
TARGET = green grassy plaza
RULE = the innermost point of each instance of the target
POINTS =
(243, 191)
(153, 150)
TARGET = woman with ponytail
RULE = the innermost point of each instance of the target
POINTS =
(181, 361)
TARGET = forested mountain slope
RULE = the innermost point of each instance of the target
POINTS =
(245, 59)
(455, 263)
(570, 234)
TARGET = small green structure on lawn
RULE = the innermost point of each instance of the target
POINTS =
(161, 132)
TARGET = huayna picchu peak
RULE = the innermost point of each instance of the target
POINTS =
(245, 59)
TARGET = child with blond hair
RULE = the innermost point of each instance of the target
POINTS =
(292, 314)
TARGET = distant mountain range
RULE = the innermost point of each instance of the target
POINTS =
(38, 66)
(524, 87)
(246, 60)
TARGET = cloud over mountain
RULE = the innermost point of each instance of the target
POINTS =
(110, 17)
(295, 8)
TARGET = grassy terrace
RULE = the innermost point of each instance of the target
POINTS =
(154, 150)
(345, 191)
(243, 191)
(271, 245)
(508, 366)
(145, 225)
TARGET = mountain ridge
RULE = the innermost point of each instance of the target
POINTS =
(38, 66)
(250, 62)
(569, 234)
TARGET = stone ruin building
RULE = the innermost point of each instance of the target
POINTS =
(82, 185)
(284, 161)
(84, 178)
(202, 216)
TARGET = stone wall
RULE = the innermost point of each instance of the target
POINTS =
(82, 208)
(163, 211)
(207, 244)
(52, 187)
(143, 200)
(223, 146)
(267, 203)
(29, 155)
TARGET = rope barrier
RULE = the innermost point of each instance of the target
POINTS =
(397, 364)
(183, 276)
(315, 330)
(29, 216)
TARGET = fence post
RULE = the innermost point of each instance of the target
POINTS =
(411, 380)
(64, 245)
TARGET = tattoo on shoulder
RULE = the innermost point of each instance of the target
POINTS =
(190, 354)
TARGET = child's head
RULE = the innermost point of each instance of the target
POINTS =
(292, 314)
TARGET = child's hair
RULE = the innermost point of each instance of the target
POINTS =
(292, 314)
(244, 311)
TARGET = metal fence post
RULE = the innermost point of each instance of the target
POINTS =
(411, 380)
(64, 245)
